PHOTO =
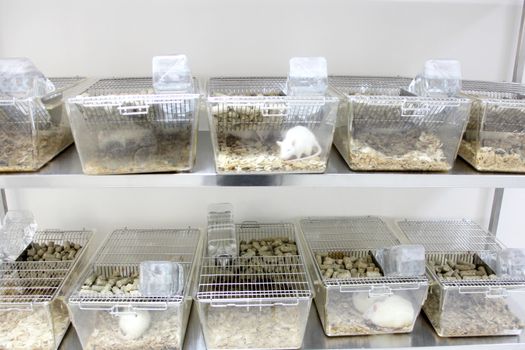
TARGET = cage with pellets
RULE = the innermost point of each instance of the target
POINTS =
(466, 295)
(109, 306)
(353, 294)
(259, 299)
(495, 135)
(33, 130)
(33, 312)
(257, 128)
(122, 125)
(382, 126)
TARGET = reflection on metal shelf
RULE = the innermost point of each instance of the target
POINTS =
(65, 171)
(423, 337)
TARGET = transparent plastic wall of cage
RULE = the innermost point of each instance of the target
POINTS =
(255, 301)
(107, 307)
(349, 299)
(122, 126)
(257, 129)
(495, 135)
(33, 313)
(468, 306)
(34, 130)
(381, 126)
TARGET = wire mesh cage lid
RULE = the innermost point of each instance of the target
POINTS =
(117, 264)
(23, 282)
(257, 278)
(336, 233)
(449, 235)
(256, 89)
(494, 90)
(349, 238)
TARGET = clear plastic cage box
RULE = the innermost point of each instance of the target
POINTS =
(33, 312)
(381, 126)
(121, 126)
(495, 135)
(107, 307)
(256, 128)
(261, 299)
(34, 130)
(465, 303)
(352, 295)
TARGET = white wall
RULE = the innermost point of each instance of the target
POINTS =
(256, 37)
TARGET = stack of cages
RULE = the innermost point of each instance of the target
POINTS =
(466, 297)
(249, 116)
(352, 295)
(34, 130)
(122, 126)
(107, 306)
(260, 299)
(382, 126)
(33, 289)
(495, 135)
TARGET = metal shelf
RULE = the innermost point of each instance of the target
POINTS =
(423, 337)
(65, 172)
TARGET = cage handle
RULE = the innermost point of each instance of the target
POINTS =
(250, 224)
(409, 111)
(7, 102)
(491, 293)
(16, 307)
(274, 110)
(255, 304)
(133, 110)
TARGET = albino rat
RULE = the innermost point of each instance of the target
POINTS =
(298, 142)
(391, 312)
(363, 302)
(133, 325)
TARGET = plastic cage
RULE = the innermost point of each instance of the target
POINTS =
(122, 126)
(34, 130)
(495, 135)
(478, 306)
(256, 301)
(382, 126)
(130, 320)
(248, 116)
(33, 313)
(351, 304)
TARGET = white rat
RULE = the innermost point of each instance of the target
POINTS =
(133, 325)
(362, 301)
(298, 142)
(391, 312)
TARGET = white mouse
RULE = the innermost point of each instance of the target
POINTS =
(298, 142)
(362, 301)
(391, 312)
(133, 325)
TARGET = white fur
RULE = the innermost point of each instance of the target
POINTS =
(133, 325)
(299, 143)
(362, 301)
(391, 312)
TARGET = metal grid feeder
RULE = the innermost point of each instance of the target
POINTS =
(256, 277)
(257, 104)
(474, 307)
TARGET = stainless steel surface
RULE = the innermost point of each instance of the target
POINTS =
(3, 204)
(422, 337)
(65, 172)
(495, 211)
(519, 61)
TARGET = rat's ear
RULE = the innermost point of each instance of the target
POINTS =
(279, 143)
